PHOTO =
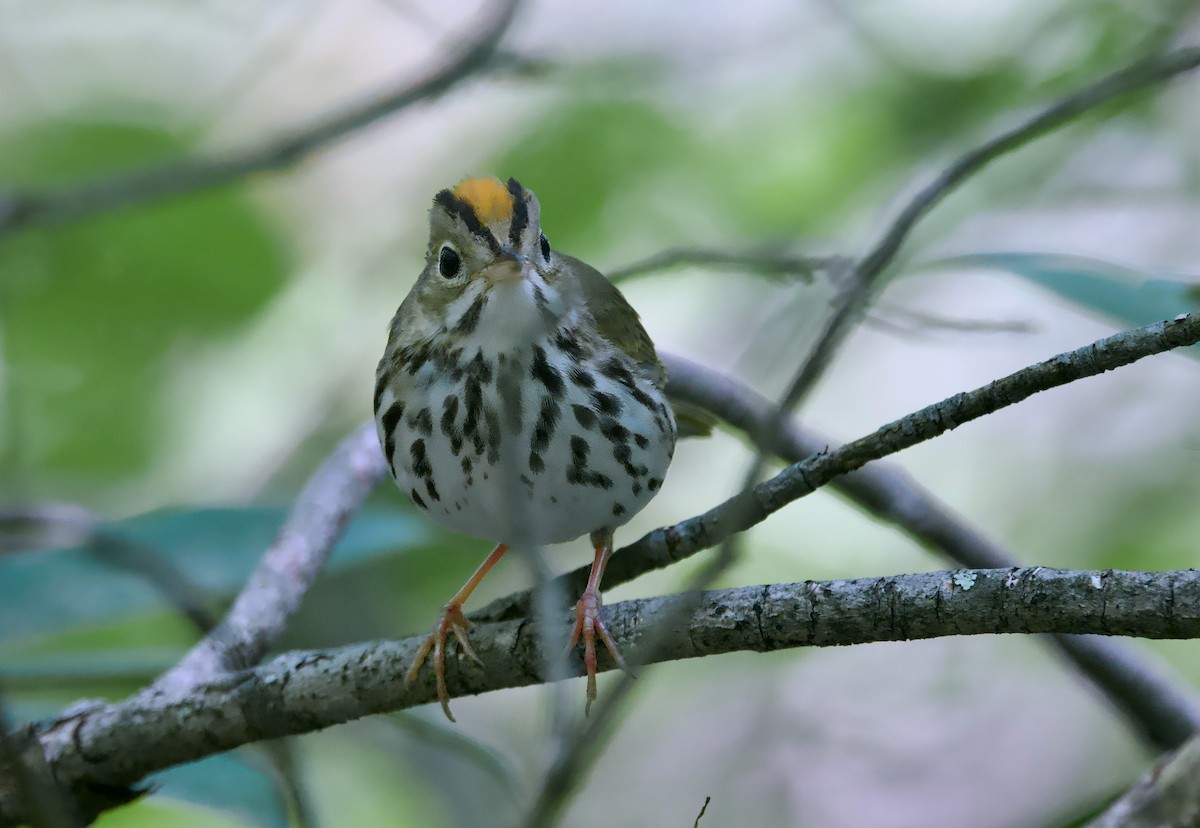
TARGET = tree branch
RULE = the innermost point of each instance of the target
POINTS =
(288, 568)
(118, 745)
(25, 779)
(763, 263)
(76, 747)
(22, 210)
(1146, 73)
(752, 505)
(1166, 797)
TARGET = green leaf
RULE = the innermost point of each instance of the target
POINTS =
(1130, 297)
(87, 674)
(215, 549)
(94, 313)
(227, 782)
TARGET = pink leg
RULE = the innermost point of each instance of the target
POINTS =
(588, 623)
(452, 620)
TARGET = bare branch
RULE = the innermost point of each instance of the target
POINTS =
(763, 263)
(19, 211)
(1152, 71)
(287, 570)
(25, 779)
(45, 525)
(909, 322)
(751, 506)
(119, 744)
(1166, 797)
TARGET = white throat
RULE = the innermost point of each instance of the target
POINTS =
(514, 314)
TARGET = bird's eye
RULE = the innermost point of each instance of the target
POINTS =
(545, 242)
(449, 262)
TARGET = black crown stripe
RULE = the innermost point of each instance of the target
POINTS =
(456, 206)
(520, 217)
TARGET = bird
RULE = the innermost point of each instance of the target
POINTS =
(519, 400)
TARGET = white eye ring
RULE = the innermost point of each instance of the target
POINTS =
(449, 262)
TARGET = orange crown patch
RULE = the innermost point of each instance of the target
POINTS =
(488, 197)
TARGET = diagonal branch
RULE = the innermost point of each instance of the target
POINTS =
(770, 264)
(22, 210)
(1167, 796)
(288, 568)
(118, 745)
(1149, 72)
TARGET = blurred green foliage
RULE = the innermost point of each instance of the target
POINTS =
(95, 312)
(587, 151)
(244, 790)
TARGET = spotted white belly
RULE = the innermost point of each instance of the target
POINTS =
(522, 446)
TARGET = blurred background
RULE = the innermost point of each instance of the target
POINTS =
(179, 368)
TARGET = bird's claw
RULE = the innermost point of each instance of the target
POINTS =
(589, 626)
(451, 620)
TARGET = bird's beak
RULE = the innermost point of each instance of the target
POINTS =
(506, 267)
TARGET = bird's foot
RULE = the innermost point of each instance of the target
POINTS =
(589, 626)
(453, 621)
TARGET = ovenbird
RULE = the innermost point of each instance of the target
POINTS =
(519, 400)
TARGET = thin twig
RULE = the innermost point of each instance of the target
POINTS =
(762, 263)
(46, 525)
(908, 322)
(1167, 796)
(22, 210)
(288, 568)
(1151, 71)
(286, 774)
(301, 692)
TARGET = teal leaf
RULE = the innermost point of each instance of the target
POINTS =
(228, 783)
(214, 549)
(85, 673)
(1130, 297)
